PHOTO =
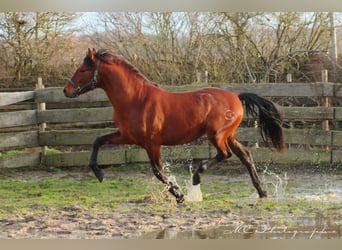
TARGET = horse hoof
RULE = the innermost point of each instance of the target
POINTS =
(263, 194)
(180, 199)
(99, 173)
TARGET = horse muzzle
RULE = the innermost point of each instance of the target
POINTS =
(72, 94)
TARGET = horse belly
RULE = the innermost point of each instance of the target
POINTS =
(175, 133)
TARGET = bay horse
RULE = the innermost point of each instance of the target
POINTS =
(148, 116)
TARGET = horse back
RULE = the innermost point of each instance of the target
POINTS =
(177, 118)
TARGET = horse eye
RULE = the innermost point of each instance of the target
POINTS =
(82, 70)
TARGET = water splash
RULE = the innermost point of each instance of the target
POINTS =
(278, 183)
(193, 192)
(170, 176)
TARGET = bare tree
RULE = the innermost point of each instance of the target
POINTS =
(167, 47)
(29, 40)
(233, 47)
(283, 41)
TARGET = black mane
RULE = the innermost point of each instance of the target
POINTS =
(109, 58)
(88, 61)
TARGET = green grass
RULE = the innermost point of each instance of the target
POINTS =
(18, 152)
(130, 191)
(52, 151)
(12, 152)
(29, 196)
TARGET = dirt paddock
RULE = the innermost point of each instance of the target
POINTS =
(131, 220)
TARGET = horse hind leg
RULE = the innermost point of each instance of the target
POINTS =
(205, 164)
(246, 158)
(219, 138)
(223, 152)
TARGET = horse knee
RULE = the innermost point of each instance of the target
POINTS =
(159, 174)
(220, 156)
(99, 141)
(223, 155)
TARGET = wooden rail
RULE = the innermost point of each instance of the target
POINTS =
(317, 139)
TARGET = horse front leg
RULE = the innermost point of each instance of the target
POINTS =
(99, 173)
(172, 187)
(158, 171)
(113, 138)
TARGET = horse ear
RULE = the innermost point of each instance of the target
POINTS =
(91, 53)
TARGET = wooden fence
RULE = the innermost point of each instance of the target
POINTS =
(74, 127)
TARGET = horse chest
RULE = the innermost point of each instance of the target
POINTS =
(132, 124)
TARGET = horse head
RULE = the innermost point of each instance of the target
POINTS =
(85, 77)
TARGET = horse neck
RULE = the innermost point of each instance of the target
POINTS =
(121, 86)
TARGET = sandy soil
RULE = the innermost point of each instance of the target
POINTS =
(74, 222)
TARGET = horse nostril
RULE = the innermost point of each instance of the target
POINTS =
(64, 91)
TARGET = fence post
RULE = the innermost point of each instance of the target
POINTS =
(325, 100)
(325, 103)
(198, 76)
(256, 144)
(41, 107)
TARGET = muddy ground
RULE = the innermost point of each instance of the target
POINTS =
(134, 222)
(74, 224)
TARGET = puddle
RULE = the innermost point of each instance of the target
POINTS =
(304, 228)
(323, 188)
(239, 222)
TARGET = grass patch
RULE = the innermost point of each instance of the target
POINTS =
(18, 152)
(132, 190)
(30, 196)
(12, 152)
(52, 151)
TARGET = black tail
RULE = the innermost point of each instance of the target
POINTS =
(270, 119)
